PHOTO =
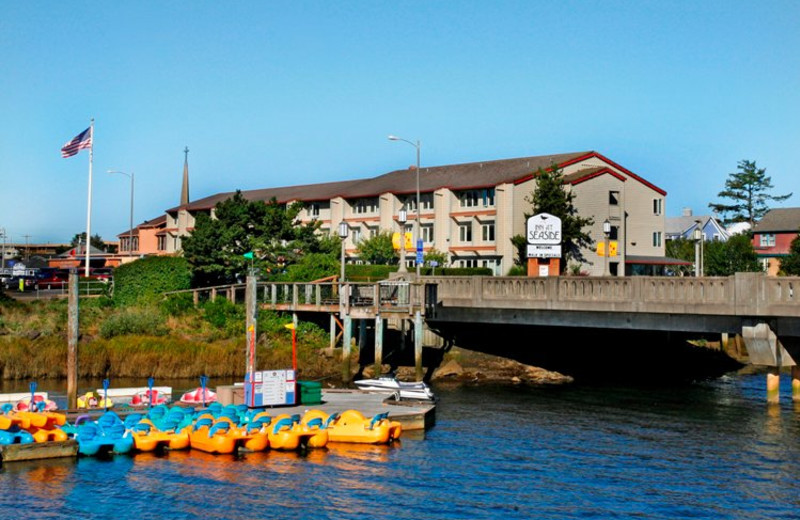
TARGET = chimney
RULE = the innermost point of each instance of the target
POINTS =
(687, 212)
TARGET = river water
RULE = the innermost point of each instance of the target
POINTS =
(710, 450)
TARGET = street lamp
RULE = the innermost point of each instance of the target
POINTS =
(417, 237)
(698, 249)
(401, 219)
(130, 229)
(606, 233)
(344, 230)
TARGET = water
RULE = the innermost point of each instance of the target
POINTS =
(711, 450)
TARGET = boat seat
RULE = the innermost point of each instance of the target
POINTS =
(132, 419)
(378, 418)
(203, 421)
(285, 422)
(315, 422)
(331, 418)
(141, 427)
(221, 427)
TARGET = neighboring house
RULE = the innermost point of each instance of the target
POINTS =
(772, 236)
(684, 226)
(148, 238)
(471, 211)
(76, 257)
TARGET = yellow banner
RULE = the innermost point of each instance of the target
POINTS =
(409, 241)
(612, 248)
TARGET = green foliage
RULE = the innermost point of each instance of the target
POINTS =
(368, 273)
(147, 279)
(377, 250)
(517, 270)
(549, 196)
(747, 189)
(727, 258)
(437, 256)
(790, 264)
(133, 321)
(312, 267)
(177, 304)
(682, 249)
(227, 317)
(80, 238)
(271, 231)
(457, 271)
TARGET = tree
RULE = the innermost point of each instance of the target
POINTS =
(748, 191)
(790, 264)
(736, 255)
(377, 250)
(80, 239)
(216, 246)
(682, 249)
(434, 255)
(549, 196)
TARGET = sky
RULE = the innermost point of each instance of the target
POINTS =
(274, 93)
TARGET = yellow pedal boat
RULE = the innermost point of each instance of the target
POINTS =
(352, 426)
(250, 438)
(44, 426)
(285, 433)
(147, 437)
(206, 435)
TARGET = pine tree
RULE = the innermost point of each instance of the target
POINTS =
(747, 188)
(549, 196)
(790, 264)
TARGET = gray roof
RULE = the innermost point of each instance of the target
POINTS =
(678, 225)
(454, 176)
(777, 220)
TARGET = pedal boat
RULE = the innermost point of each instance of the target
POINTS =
(285, 433)
(11, 431)
(146, 437)
(352, 426)
(251, 436)
(206, 435)
(106, 435)
(43, 426)
(91, 400)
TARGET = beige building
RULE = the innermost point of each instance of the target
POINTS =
(471, 211)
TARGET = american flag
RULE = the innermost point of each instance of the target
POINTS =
(78, 143)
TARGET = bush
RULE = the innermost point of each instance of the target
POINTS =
(147, 279)
(177, 304)
(225, 316)
(133, 321)
(368, 273)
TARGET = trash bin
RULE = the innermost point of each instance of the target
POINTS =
(310, 392)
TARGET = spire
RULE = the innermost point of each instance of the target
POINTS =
(185, 187)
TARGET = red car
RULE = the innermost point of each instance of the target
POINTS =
(53, 281)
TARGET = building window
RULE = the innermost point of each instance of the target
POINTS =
(313, 210)
(427, 233)
(656, 238)
(657, 206)
(613, 198)
(614, 234)
(469, 262)
(465, 232)
(373, 232)
(767, 240)
(362, 206)
(356, 236)
(477, 198)
(487, 232)
(162, 243)
(425, 202)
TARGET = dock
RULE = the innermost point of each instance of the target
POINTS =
(38, 450)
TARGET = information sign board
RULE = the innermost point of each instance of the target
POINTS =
(543, 236)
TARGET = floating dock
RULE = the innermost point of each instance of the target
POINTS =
(38, 450)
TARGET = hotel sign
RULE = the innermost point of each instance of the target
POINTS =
(544, 236)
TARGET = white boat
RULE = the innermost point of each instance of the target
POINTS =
(390, 385)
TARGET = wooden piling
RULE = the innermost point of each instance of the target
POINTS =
(251, 316)
(378, 345)
(796, 383)
(773, 385)
(347, 338)
(72, 341)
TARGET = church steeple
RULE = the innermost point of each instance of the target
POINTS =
(185, 187)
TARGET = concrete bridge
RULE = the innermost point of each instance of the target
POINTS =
(563, 322)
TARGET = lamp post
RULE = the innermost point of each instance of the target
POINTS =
(698, 249)
(401, 219)
(344, 230)
(130, 229)
(606, 233)
(417, 237)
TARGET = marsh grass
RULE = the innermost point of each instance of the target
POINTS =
(139, 342)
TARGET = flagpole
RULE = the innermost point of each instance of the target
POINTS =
(89, 206)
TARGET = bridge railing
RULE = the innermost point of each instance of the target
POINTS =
(744, 293)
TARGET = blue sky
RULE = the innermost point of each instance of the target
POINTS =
(272, 93)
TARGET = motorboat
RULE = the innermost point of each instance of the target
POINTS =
(389, 384)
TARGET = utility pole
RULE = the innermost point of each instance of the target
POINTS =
(27, 250)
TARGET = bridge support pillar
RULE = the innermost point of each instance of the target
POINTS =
(346, 339)
(773, 385)
(418, 345)
(362, 333)
(378, 345)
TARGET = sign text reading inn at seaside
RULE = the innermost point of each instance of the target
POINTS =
(544, 236)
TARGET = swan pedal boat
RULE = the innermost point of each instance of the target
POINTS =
(91, 400)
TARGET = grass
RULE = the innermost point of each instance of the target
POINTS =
(140, 342)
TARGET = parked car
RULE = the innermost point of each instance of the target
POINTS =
(30, 282)
(102, 274)
(54, 280)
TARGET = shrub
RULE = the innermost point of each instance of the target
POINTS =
(147, 279)
(177, 304)
(225, 316)
(133, 321)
